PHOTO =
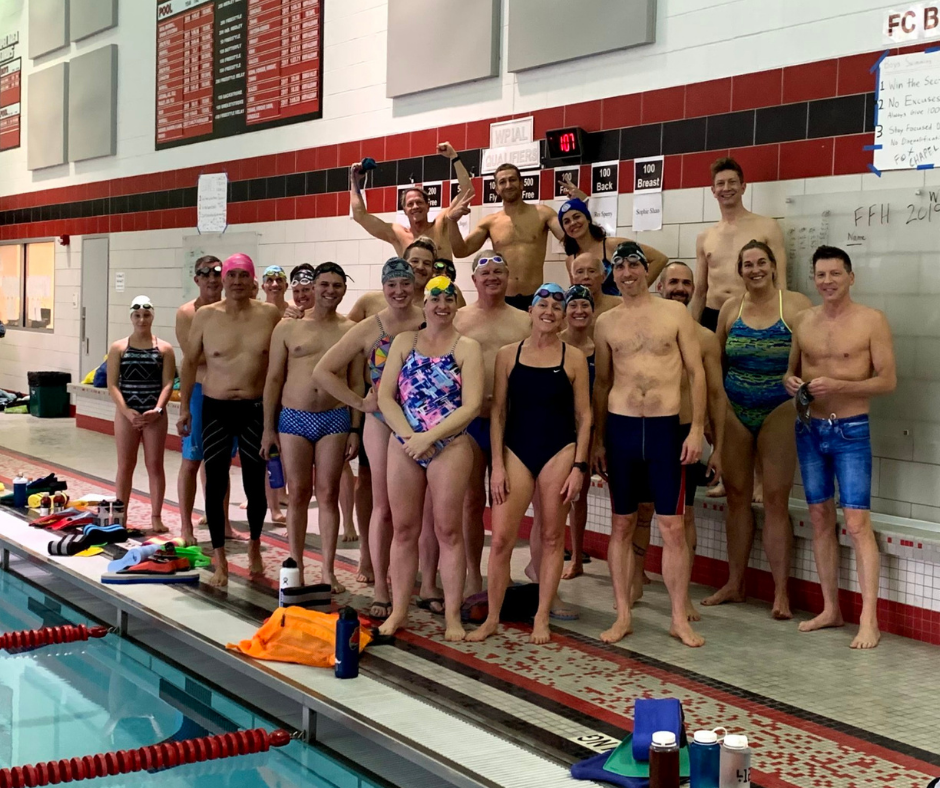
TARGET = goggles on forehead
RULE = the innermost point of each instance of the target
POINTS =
(304, 277)
(141, 303)
(213, 269)
(330, 268)
(549, 292)
(445, 268)
(439, 285)
(494, 260)
(274, 272)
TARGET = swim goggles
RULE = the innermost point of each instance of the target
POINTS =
(330, 268)
(549, 290)
(485, 261)
(446, 268)
(303, 277)
(142, 302)
(396, 268)
(578, 293)
(803, 400)
(630, 252)
(439, 285)
(215, 269)
(274, 272)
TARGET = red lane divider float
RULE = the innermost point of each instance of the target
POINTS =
(154, 756)
(67, 633)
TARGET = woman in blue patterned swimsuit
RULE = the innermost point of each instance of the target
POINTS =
(754, 330)
(433, 389)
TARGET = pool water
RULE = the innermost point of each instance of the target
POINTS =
(69, 700)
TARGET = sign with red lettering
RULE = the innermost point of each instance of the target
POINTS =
(913, 23)
(226, 67)
(10, 92)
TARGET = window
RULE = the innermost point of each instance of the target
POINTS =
(27, 285)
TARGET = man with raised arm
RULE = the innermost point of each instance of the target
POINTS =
(233, 336)
(310, 427)
(842, 355)
(415, 204)
(716, 249)
(518, 233)
(641, 350)
(492, 323)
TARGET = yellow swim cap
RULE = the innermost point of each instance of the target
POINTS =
(438, 285)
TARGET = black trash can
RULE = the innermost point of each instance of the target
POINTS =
(48, 394)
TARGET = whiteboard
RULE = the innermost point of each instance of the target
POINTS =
(907, 119)
(893, 238)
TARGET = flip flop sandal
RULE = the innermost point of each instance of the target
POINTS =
(564, 614)
(133, 557)
(429, 602)
(385, 606)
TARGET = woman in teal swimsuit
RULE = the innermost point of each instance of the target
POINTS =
(754, 330)
(370, 341)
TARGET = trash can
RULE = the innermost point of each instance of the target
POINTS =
(48, 394)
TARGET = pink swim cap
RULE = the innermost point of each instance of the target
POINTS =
(241, 261)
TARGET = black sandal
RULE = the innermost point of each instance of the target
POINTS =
(386, 607)
(427, 604)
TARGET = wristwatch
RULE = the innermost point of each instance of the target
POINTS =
(581, 466)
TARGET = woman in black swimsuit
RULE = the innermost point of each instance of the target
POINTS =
(540, 432)
(141, 369)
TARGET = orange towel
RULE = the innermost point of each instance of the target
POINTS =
(294, 634)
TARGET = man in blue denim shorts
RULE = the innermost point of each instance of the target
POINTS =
(844, 353)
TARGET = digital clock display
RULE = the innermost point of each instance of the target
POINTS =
(564, 143)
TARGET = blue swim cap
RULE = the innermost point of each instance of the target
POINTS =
(574, 204)
(548, 290)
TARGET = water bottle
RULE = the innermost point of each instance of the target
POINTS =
(347, 644)
(664, 760)
(290, 578)
(704, 759)
(275, 469)
(19, 490)
(735, 763)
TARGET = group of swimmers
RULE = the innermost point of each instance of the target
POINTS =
(537, 384)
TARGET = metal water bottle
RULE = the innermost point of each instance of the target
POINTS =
(347, 644)
(704, 759)
(290, 578)
(275, 469)
(735, 763)
(19, 490)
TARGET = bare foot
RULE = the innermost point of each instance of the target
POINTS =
(781, 610)
(279, 518)
(573, 571)
(365, 573)
(350, 536)
(718, 491)
(255, 564)
(824, 620)
(454, 631)
(336, 587)
(186, 534)
(685, 633)
(541, 634)
(725, 594)
(204, 521)
(229, 533)
(636, 590)
(157, 526)
(219, 578)
(531, 573)
(621, 628)
(691, 613)
(392, 624)
(758, 496)
(243, 505)
(868, 636)
(482, 632)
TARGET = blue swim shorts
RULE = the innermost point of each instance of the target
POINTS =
(836, 449)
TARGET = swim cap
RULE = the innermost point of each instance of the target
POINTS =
(302, 277)
(330, 268)
(548, 290)
(396, 268)
(142, 302)
(274, 272)
(445, 267)
(438, 285)
(578, 293)
(627, 250)
(240, 261)
(574, 204)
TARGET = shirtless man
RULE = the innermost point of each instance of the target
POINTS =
(233, 336)
(208, 278)
(678, 284)
(641, 350)
(716, 249)
(844, 353)
(494, 324)
(519, 234)
(312, 427)
(587, 270)
(415, 204)
(274, 284)
(420, 254)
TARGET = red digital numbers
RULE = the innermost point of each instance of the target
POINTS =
(568, 143)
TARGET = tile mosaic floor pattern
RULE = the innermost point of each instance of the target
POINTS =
(819, 715)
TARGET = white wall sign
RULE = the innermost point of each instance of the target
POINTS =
(565, 175)
(914, 22)
(512, 132)
(212, 203)
(118, 281)
(464, 221)
(907, 126)
(530, 186)
(647, 212)
(648, 175)
(526, 157)
(604, 188)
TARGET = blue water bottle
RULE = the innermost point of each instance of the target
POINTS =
(347, 644)
(704, 759)
(275, 469)
(19, 490)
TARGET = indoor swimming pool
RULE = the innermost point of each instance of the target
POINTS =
(69, 700)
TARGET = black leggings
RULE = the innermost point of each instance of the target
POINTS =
(223, 420)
